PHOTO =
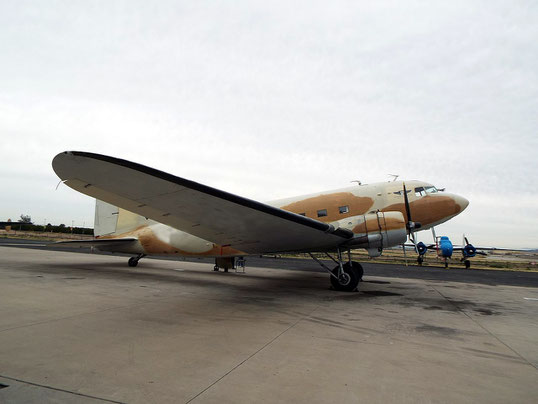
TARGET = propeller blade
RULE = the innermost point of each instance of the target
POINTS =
(410, 224)
(406, 202)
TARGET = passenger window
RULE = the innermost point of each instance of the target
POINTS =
(322, 212)
(343, 209)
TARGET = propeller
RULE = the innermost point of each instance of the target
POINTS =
(410, 224)
(469, 250)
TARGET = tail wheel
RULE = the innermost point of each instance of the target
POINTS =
(133, 262)
(349, 280)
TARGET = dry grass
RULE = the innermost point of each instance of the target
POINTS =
(496, 260)
(40, 235)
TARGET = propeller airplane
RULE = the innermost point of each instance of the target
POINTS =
(143, 211)
(445, 249)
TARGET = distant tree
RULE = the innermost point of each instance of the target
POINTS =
(25, 219)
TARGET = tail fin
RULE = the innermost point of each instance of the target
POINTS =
(110, 220)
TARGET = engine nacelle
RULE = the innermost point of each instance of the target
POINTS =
(469, 251)
(375, 230)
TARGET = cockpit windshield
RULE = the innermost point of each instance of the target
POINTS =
(421, 191)
(430, 190)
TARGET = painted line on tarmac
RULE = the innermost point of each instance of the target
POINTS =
(530, 298)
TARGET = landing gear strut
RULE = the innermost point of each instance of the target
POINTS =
(344, 277)
(133, 261)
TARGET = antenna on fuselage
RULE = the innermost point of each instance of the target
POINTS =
(394, 177)
(357, 181)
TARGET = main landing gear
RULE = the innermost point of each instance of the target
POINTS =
(345, 276)
(225, 263)
(133, 261)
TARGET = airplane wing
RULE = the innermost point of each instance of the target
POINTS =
(98, 243)
(461, 247)
(208, 213)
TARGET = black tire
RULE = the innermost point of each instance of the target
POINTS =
(358, 269)
(420, 260)
(133, 262)
(216, 268)
(467, 264)
(446, 264)
(350, 281)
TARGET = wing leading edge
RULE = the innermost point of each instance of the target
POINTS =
(214, 215)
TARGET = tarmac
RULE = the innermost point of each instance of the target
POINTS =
(86, 328)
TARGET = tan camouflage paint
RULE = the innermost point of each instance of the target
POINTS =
(357, 205)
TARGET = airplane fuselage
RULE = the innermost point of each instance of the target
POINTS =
(360, 209)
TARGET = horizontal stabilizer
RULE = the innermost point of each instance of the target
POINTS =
(97, 243)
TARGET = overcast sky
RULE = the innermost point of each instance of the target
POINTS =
(275, 99)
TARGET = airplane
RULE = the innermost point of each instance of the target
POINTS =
(143, 211)
(444, 248)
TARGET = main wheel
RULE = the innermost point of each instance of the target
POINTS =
(133, 262)
(349, 280)
(467, 264)
(216, 268)
(420, 260)
(358, 269)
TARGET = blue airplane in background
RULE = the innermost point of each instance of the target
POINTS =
(445, 249)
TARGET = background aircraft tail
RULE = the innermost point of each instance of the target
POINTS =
(111, 220)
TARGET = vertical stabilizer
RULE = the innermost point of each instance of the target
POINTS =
(111, 220)
(106, 218)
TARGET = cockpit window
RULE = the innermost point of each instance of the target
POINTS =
(431, 190)
(421, 191)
